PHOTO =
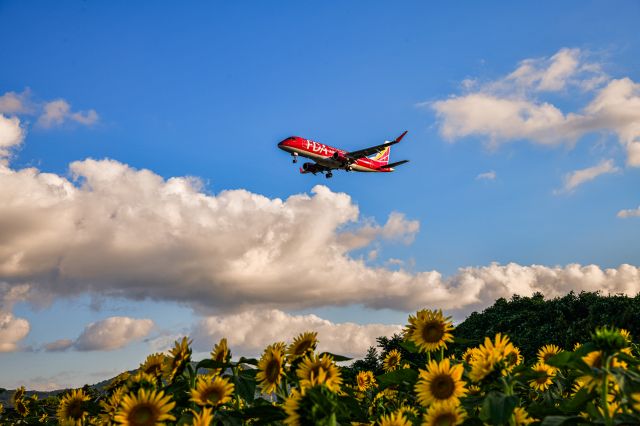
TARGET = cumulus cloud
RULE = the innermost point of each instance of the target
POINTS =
(12, 331)
(249, 332)
(112, 333)
(55, 113)
(629, 213)
(511, 109)
(578, 177)
(118, 231)
(490, 175)
(105, 335)
(11, 136)
(15, 103)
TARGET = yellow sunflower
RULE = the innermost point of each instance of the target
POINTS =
(21, 407)
(365, 380)
(627, 336)
(291, 407)
(577, 346)
(220, 353)
(546, 352)
(392, 360)
(444, 414)
(521, 417)
(490, 354)
(467, 356)
(175, 364)
(271, 367)
(145, 408)
(474, 390)
(429, 330)
(141, 380)
(545, 378)
(153, 365)
(513, 358)
(1, 408)
(212, 390)
(314, 370)
(203, 418)
(440, 382)
(408, 410)
(119, 380)
(72, 408)
(111, 404)
(635, 397)
(18, 394)
(304, 344)
(394, 419)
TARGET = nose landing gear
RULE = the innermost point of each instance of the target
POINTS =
(295, 157)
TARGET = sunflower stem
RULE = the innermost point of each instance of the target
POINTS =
(605, 393)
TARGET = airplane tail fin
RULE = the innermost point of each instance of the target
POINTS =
(383, 156)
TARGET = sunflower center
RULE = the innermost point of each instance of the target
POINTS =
(432, 332)
(75, 410)
(445, 419)
(302, 348)
(143, 415)
(548, 356)
(272, 370)
(213, 395)
(442, 386)
(542, 379)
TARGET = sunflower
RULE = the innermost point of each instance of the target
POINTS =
(72, 408)
(577, 346)
(474, 390)
(153, 364)
(521, 417)
(203, 418)
(440, 382)
(18, 394)
(490, 354)
(271, 367)
(468, 355)
(314, 370)
(365, 380)
(429, 330)
(513, 358)
(636, 401)
(212, 390)
(444, 414)
(221, 354)
(119, 380)
(545, 377)
(394, 419)
(175, 364)
(141, 380)
(291, 407)
(21, 407)
(547, 352)
(392, 360)
(111, 404)
(302, 345)
(408, 410)
(145, 409)
(1, 408)
(625, 333)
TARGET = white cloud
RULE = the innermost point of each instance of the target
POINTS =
(11, 136)
(130, 233)
(509, 109)
(629, 213)
(15, 103)
(578, 177)
(490, 175)
(249, 332)
(112, 333)
(12, 331)
(59, 345)
(57, 112)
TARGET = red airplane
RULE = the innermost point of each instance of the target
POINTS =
(327, 158)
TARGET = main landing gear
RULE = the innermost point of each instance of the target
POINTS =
(328, 175)
(295, 157)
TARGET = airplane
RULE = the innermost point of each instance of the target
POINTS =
(327, 158)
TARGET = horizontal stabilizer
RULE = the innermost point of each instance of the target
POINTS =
(397, 163)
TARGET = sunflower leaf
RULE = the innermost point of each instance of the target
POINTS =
(336, 358)
(497, 408)
(409, 346)
(563, 420)
(403, 376)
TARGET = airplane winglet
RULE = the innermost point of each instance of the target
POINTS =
(399, 138)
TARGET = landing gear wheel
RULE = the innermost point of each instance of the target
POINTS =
(329, 175)
(295, 157)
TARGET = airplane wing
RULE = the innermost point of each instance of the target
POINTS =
(374, 149)
(397, 163)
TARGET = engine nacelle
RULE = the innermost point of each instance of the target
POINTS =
(338, 156)
(310, 168)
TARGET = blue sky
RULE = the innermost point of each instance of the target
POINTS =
(208, 90)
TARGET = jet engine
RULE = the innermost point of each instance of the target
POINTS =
(310, 168)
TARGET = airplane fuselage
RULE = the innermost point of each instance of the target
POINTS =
(325, 155)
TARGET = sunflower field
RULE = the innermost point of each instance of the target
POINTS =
(424, 383)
